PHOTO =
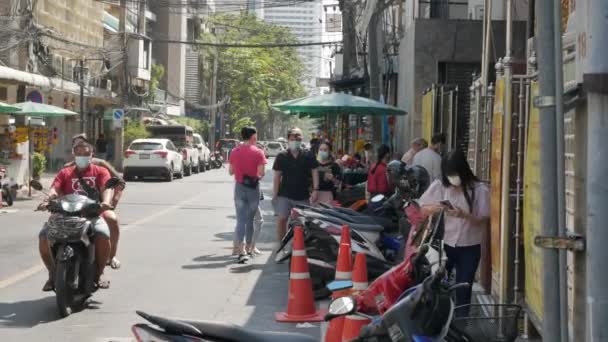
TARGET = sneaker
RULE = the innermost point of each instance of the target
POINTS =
(256, 251)
(243, 259)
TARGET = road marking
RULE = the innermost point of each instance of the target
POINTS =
(21, 275)
(11, 280)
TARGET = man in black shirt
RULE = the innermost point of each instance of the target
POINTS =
(293, 171)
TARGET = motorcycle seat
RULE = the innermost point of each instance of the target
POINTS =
(373, 228)
(232, 332)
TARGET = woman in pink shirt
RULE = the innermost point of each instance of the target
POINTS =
(467, 216)
(247, 164)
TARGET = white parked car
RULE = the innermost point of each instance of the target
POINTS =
(273, 148)
(153, 158)
(204, 154)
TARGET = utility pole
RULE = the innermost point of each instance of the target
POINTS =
(548, 158)
(595, 80)
(119, 132)
(348, 36)
(213, 110)
(81, 83)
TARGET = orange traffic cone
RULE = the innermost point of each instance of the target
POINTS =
(345, 236)
(301, 303)
(353, 323)
(360, 282)
(343, 272)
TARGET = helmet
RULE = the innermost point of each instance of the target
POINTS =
(395, 170)
(417, 180)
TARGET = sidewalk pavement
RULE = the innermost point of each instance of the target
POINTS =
(23, 194)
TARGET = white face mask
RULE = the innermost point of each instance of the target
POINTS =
(294, 145)
(455, 180)
(82, 162)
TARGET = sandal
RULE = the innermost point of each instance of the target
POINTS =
(48, 286)
(102, 284)
(114, 263)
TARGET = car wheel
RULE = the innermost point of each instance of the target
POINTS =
(180, 174)
(169, 177)
(201, 166)
(188, 169)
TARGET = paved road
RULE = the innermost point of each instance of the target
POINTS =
(175, 251)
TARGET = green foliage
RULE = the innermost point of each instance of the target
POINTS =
(134, 130)
(240, 123)
(39, 164)
(199, 126)
(254, 78)
(157, 73)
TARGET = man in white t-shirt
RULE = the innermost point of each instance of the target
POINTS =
(416, 146)
(429, 157)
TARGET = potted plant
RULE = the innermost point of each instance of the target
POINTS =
(39, 165)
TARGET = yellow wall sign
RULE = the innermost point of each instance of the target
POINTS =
(427, 115)
(496, 174)
(532, 213)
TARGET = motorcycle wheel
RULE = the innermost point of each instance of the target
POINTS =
(64, 271)
(6, 196)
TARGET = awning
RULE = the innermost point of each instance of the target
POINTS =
(49, 83)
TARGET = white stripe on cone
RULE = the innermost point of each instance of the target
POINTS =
(344, 275)
(359, 285)
(357, 318)
(299, 276)
(298, 252)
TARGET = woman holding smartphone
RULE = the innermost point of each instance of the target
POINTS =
(466, 201)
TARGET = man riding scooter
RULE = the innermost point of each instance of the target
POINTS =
(87, 179)
(109, 216)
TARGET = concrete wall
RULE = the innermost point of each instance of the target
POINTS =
(431, 41)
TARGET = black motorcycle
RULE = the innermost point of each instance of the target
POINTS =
(185, 330)
(217, 160)
(5, 187)
(70, 238)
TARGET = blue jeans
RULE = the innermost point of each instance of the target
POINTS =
(465, 261)
(246, 202)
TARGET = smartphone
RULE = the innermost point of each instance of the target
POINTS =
(447, 204)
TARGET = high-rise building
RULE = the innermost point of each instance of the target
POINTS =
(305, 22)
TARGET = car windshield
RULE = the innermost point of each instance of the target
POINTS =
(227, 143)
(274, 145)
(178, 140)
(146, 146)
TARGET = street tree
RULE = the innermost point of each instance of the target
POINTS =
(254, 78)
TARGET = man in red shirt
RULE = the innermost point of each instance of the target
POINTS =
(247, 164)
(67, 182)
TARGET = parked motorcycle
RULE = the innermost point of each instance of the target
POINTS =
(70, 239)
(177, 330)
(217, 160)
(5, 187)
(381, 238)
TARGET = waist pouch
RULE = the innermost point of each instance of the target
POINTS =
(251, 182)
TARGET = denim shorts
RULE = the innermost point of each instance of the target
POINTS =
(283, 205)
(100, 228)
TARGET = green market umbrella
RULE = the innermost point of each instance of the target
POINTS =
(337, 103)
(6, 108)
(41, 109)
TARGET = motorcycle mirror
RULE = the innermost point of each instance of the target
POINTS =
(377, 198)
(341, 307)
(338, 285)
(36, 185)
(112, 183)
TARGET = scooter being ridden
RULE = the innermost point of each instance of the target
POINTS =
(70, 238)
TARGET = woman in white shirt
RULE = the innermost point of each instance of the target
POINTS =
(467, 216)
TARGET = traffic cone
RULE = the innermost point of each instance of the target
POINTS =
(360, 281)
(352, 323)
(343, 272)
(345, 235)
(301, 303)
